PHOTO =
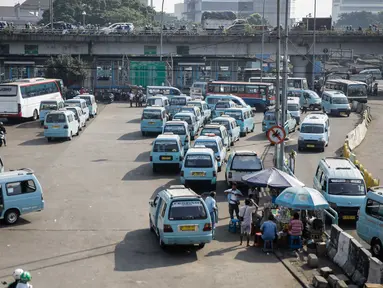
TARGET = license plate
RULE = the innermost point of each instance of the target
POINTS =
(343, 113)
(310, 146)
(198, 173)
(55, 127)
(348, 217)
(152, 123)
(166, 157)
(188, 228)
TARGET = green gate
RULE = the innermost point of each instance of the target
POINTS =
(146, 73)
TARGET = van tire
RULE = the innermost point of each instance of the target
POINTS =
(232, 143)
(35, 115)
(11, 216)
(376, 248)
(78, 131)
(252, 130)
(201, 245)
(150, 225)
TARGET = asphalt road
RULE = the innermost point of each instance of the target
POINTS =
(94, 230)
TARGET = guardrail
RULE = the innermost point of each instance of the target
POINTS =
(355, 137)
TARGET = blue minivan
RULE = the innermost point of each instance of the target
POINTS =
(20, 193)
(244, 118)
(179, 216)
(47, 106)
(180, 128)
(191, 120)
(167, 151)
(153, 120)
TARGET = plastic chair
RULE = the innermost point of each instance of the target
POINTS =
(295, 242)
(234, 226)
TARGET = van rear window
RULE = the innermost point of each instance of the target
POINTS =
(214, 131)
(56, 118)
(187, 210)
(178, 101)
(198, 161)
(151, 114)
(165, 146)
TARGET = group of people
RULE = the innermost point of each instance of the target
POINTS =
(138, 98)
(21, 279)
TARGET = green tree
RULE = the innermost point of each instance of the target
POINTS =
(359, 19)
(256, 19)
(70, 69)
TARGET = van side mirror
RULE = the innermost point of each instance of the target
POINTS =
(151, 203)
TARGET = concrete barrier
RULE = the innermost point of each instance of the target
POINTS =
(342, 254)
(332, 248)
(375, 271)
(352, 259)
(362, 267)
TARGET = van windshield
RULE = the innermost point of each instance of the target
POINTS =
(151, 114)
(187, 210)
(213, 100)
(189, 110)
(48, 106)
(235, 114)
(292, 107)
(152, 102)
(214, 131)
(175, 129)
(339, 100)
(208, 144)
(55, 118)
(187, 119)
(346, 187)
(165, 146)
(178, 101)
(313, 129)
(221, 122)
(198, 161)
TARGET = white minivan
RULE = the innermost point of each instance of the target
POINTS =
(79, 103)
(78, 115)
(60, 124)
(91, 102)
(314, 132)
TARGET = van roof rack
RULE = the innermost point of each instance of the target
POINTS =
(335, 158)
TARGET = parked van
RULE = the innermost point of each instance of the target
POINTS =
(153, 120)
(342, 184)
(307, 98)
(79, 103)
(189, 118)
(180, 128)
(168, 151)
(294, 108)
(205, 110)
(90, 102)
(161, 101)
(20, 193)
(213, 142)
(200, 85)
(47, 106)
(78, 116)
(231, 126)
(244, 118)
(176, 104)
(370, 222)
(221, 106)
(179, 216)
(335, 102)
(314, 132)
(200, 168)
(219, 130)
(376, 73)
(60, 124)
(196, 112)
(212, 100)
(270, 121)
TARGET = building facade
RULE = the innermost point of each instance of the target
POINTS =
(348, 6)
(179, 10)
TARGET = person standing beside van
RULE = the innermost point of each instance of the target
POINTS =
(246, 218)
(212, 207)
(4, 131)
(233, 199)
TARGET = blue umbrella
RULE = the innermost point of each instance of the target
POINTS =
(302, 198)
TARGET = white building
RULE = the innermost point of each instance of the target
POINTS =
(179, 9)
(348, 6)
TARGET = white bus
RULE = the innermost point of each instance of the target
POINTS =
(354, 90)
(167, 91)
(21, 99)
(292, 82)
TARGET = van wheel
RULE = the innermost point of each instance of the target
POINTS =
(348, 114)
(35, 115)
(232, 143)
(78, 131)
(376, 248)
(11, 216)
(70, 136)
(311, 107)
(150, 225)
(201, 245)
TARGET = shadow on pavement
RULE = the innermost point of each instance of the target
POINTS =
(143, 157)
(34, 124)
(257, 137)
(41, 141)
(144, 172)
(140, 251)
(135, 135)
(134, 121)
(255, 255)
(20, 222)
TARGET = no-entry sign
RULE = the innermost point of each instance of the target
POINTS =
(276, 134)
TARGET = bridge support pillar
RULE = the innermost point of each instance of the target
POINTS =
(300, 66)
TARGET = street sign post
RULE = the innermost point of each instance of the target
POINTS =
(276, 134)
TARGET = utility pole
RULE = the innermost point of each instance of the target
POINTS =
(278, 82)
(284, 87)
(314, 42)
(51, 13)
(263, 38)
(162, 30)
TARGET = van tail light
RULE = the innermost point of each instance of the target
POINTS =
(42, 197)
(45, 127)
(207, 227)
(181, 158)
(19, 108)
(182, 173)
(358, 212)
(151, 158)
(230, 175)
(65, 126)
(214, 174)
(167, 228)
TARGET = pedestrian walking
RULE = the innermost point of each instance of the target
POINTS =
(213, 209)
(131, 98)
(246, 218)
(233, 196)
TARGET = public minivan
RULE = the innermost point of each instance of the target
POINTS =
(176, 104)
(231, 126)
(342, 184)
(270, 121)
(90, 102)
(307, 98)
(213, 142)
(219, 130)
(294, 108)
(196, 112)
(20, 193)
(47, 106)
(179, 216)
(244, 118)
(335, 102)
(180, 128)
(370, 222)
(79, 103)
(153, 120)
(221, 106)
(60, 124)
(205, 110)
(167, 151)
(161, 101)
(314, 132)
(191, 120)
(200, 168)
(78, 115)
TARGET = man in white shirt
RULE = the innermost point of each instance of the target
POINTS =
(246, 217)
(131, 98)
(212, 207)
(233, 196)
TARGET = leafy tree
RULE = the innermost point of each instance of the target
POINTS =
(256, 19)
(70, 69)
(359, 19)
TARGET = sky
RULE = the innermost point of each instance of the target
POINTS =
(302, 7)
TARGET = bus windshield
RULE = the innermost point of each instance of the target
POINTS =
(357, 90)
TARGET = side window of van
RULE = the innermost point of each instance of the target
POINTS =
(220, 145)
(21, 187)
(319, 173)
(163, 209)
(374, 209)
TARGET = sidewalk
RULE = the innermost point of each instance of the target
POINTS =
(370, 153)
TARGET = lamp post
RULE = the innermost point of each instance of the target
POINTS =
(263, 37)
(51, 13)
(314, 40)
(83, 18)
(162, 28)
(307, 21)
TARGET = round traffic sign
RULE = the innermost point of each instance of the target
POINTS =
(276, 134)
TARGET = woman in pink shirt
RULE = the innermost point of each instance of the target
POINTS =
(295, 226)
